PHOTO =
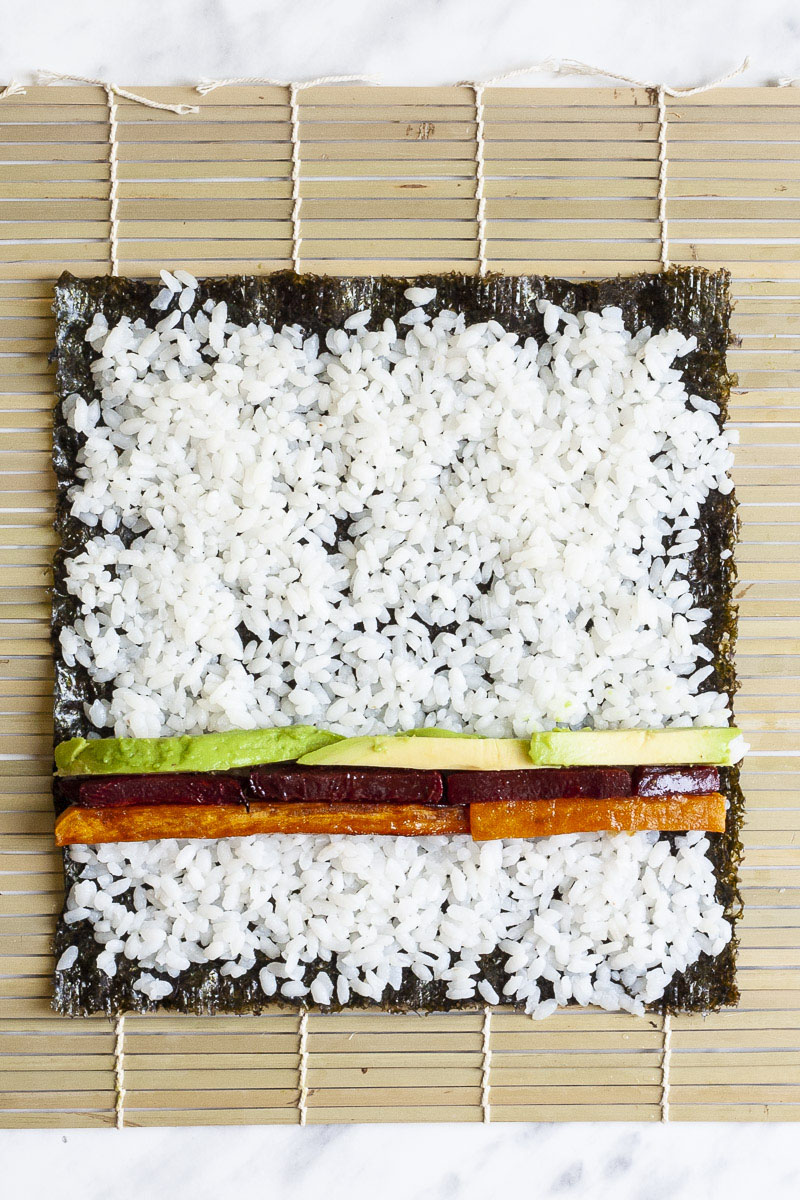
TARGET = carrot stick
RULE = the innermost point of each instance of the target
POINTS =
(546, 818)
(88, 825)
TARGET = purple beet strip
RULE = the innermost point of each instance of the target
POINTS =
(339, 785)
(548, 783)
(117, 791)
(675, 781)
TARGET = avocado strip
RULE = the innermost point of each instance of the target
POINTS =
(550, 783)
(670, 781)
(424, 753)
(205, 752)
(143, 824)
(549, 818)
(345, 785)
(116, 791)
(606, 747)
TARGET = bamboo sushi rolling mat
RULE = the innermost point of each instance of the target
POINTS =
(388, 185)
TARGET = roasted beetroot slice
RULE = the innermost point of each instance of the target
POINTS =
(673, 781)
(549, 783)
(345, 785)
(132, 791)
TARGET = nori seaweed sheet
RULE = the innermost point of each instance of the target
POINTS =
(695, 301)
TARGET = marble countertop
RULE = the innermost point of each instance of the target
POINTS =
(399, 41)
(416, 42)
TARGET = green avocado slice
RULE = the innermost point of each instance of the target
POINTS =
(427, 753)
(206, 752)
(629, 747)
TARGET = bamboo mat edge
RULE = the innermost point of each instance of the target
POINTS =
(388, 184)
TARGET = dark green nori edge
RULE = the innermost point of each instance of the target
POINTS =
(695, 301)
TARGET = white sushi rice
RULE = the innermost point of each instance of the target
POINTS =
(540, 501)
(628, 913)
(525, 496)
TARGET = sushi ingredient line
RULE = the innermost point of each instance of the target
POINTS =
(124, 791)
(485, 821)
(345, 786)
(202, 752)
(441, 750)
(352, 785)
(419, 753)
(552, 818)
(548, 783)
(95, 826)
(722, 746)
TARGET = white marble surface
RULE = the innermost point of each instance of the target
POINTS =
(411, 41)
(398, 41)
(407, 1162)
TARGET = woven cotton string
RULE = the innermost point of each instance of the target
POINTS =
(302, 1067)
(209, 85)
(297, 199)
(480, 182)
(12, 89)
(571, 66)
(486, 1071)
(119, 1071)
(113, 183)
(49, 77)
(483, 268)
(666, 1061)
(112, 92)
(663, 163)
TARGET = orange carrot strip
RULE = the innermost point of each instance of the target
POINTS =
(141, 824)
(546, 818)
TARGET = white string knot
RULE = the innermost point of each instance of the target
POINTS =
(13, 89)
(205, 86)
(119, 1071)
(486, 1106)
(302, 1068)
(50, 77)
(572, 66)
(666, 1060)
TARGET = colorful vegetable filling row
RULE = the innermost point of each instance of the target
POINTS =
(416, 785)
